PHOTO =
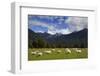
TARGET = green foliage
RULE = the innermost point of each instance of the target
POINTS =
(39, 43)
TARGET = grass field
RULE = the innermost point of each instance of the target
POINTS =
(55, 55)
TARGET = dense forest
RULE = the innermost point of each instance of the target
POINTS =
(44, 40)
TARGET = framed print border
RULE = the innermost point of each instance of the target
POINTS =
(16, 30)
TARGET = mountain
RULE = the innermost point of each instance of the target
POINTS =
(74, 40)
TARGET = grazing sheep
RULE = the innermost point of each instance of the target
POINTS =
(68, 51)
(39, 54)
(78, 50)
(53, 49)
(34, 53)
(58, 51)
(47, 52)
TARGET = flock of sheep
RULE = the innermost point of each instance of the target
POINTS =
(66, 51)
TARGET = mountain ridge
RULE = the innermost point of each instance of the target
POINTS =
(77, 39)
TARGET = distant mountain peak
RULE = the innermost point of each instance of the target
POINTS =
(58, 34)
(74, 39)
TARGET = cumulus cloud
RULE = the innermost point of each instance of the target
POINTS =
(62, 31)
(77, 23)
(51, 27)
(72, 24)
(39, 23)
(46, 17)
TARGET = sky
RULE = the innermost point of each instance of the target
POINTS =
(57, 24)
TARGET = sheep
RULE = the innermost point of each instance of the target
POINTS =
(58, 51)
(34, 53)
(47, 52)
(39, 54)
(53, 49)
(68, 51)
(78, 50)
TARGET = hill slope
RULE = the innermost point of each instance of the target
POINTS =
(74, 40)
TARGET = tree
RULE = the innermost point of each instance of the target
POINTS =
(39, 43)
(30, 44)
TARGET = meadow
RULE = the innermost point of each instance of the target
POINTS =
(55, 54)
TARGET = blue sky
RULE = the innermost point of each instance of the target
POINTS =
(56, 24)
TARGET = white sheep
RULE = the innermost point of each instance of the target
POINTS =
(78, 50)
(58, 51)
(47, 52)
(39, 54)
(68, 51)
(34, 52)
(53, 49)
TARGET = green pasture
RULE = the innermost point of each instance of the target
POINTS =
(55, 55)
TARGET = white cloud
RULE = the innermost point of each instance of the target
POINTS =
(51, 27)
(46, 17)
(77, 23)
(62, 31)
(65, 31)
(74, 24)
(36, 23)
(39, 23)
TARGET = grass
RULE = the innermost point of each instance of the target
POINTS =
(54, 55)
